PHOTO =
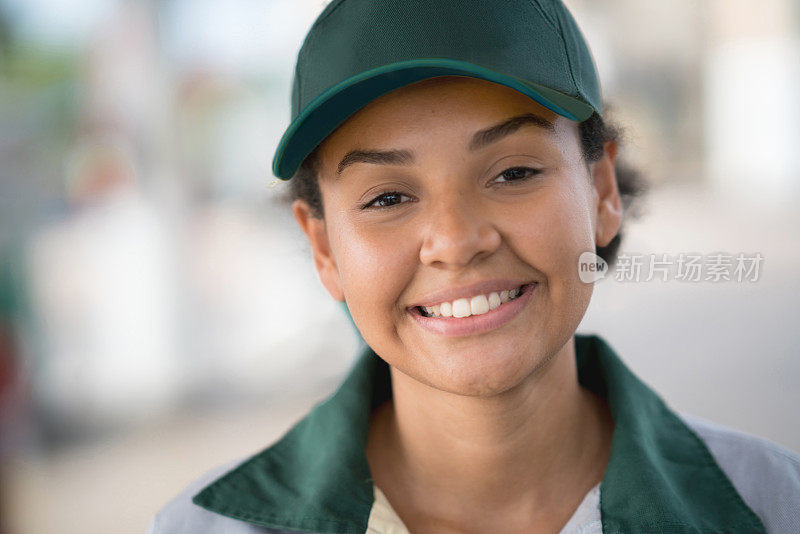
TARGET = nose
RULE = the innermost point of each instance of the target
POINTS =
(458, 233)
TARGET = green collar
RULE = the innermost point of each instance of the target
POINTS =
(660, 476)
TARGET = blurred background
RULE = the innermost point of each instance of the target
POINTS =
(159, 310)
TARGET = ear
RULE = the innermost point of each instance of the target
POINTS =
(317, 233)
(607, 204)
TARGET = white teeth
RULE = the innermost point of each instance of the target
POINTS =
(494, 300)
(477, 305)
(461, 308)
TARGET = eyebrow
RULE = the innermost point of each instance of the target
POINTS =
(377, 157)
(480, 139)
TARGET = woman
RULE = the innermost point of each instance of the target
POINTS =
(451, 165)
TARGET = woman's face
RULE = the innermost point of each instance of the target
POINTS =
(518, 203)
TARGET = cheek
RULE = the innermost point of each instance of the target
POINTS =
(374, 271)
(555, 230)
(551, 235)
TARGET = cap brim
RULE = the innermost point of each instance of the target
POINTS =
(326, 112)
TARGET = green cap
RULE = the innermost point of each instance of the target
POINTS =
(358, 50)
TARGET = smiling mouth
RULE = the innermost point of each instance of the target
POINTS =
(519, 291)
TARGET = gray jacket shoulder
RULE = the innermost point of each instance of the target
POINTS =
(766, 475)
(182, 516)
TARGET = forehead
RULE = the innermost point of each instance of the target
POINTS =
(449, 105)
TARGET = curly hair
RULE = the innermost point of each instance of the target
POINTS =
(594, 133)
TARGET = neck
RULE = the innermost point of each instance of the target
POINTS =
(531, 451)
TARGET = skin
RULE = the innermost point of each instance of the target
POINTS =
(489, 432)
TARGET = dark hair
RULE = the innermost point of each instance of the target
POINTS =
(594, 132)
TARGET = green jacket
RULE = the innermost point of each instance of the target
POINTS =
(667, 472)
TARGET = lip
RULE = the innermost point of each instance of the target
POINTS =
(476, 324)
(481, 288)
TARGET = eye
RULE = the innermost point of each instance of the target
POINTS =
(391, 198)
(382, 198)
(518, 174)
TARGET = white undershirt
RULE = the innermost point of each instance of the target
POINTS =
(585, 520)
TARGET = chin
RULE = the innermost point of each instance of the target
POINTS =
(483, 375)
